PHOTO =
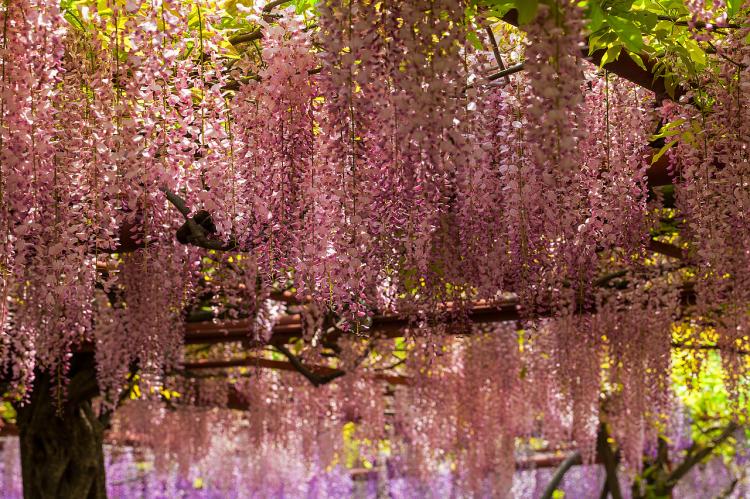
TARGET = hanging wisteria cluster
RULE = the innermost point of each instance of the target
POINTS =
(132, 474)
(150, 172)
(713, 193)
(465, 413)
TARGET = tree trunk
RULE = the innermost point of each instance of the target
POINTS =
(61, 437)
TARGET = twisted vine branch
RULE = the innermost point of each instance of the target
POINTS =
(317, 379)
(196, 231)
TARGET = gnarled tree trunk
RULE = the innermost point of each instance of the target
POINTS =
(61, 440)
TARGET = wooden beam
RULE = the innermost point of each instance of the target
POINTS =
(385, 326)
(259, 362)
(666, 249)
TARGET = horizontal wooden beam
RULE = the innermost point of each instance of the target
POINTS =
(290, 327)
(666, 249)
(384, 326)
(259, 362)
(541, 460)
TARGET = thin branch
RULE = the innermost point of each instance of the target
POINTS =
(400, 362)
(516, 68)
(496, 51)
(192, 369)
(570, 461)
(495, 76)
(697, 455)
(725, 57)
(256, 34)
(728, 490)
(370, 345)
(720, 348)
(700, 24)
(272, 5)
(235, 84)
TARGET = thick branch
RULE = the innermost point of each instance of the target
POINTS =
(315, 378)
(606, 279)
(196, 230)
(177, 201)
(387, 326)
(570, 461)
(609, 459)
(666, 249)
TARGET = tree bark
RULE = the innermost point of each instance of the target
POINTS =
(609, 458)
(61, 437)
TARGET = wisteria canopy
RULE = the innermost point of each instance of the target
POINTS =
(419, 240)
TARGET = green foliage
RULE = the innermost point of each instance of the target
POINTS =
(647, 30)
(306, 7)
(526, 10)
(498, 8)
(7, 412)
(651, 29)
(700, 383)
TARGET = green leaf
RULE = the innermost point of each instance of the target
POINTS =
(603, 41)
(496, 8)
(646, 20)
(670, 83)
(696, 53)
(627, 32)
(596, 16)
(526, 10)
(670, 129)
(664, 149)
(474, 40)
(638, 60)
(102, 8)
(72, 18)
(732, 6)
(610, 55)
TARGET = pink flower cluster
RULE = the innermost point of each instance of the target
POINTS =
(365, 166)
